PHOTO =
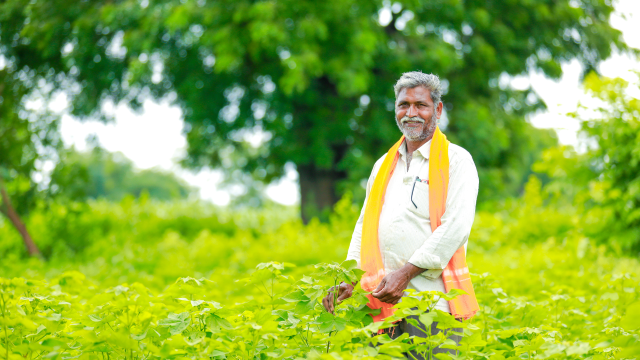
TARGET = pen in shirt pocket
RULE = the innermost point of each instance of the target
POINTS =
(417, 179)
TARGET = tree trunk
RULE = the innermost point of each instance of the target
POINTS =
(317, 190)
(7, 210)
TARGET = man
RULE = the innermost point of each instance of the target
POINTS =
(413, 249)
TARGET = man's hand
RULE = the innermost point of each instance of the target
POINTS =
(392, 286)
(344, 292)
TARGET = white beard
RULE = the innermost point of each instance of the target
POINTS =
(418, 133)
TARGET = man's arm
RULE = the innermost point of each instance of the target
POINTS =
(434, 255)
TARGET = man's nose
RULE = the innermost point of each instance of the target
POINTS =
(413, 111)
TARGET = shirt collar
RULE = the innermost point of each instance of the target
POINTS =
(424, 150)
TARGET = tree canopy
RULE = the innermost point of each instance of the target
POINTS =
(312, 80)
(603, 182)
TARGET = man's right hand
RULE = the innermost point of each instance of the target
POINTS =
(344, 292)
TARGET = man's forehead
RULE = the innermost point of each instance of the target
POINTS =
(417, 92)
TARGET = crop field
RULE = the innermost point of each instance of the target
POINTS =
(144, 280)
(122, 123)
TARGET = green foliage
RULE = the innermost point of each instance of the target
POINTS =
(26, 138)
(603, 182)
(130, 321)
(553, 295)
(315, 78)
(101, 174)
(84, 230)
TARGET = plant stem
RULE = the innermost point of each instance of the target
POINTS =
(335, 295)
(6, 333)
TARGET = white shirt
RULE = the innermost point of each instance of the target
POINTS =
(404, 231)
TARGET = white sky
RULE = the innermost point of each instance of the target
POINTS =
(154, 137)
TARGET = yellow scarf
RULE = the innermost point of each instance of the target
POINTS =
(456, 274)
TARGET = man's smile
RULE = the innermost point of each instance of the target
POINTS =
(412, 123)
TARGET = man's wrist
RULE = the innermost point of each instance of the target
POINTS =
(411, 270)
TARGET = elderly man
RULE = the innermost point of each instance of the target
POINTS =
(417, 216)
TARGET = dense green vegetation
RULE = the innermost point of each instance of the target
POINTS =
(603, 182)
(109, 288)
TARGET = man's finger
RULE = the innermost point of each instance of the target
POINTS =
(380, 289)
(344, 295)
(386, 297)
(328, 300)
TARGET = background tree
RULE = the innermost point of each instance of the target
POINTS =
(96, 174)
(313, 79)
(604, 181)
(26, 140)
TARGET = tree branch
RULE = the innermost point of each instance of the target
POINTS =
(7, 210)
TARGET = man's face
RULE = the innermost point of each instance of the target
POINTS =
(416, 114)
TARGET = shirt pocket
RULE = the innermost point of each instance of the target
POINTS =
(420, 198)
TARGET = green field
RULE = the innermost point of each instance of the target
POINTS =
(142, 280)
(103, 257)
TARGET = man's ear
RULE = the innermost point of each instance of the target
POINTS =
(439, 110)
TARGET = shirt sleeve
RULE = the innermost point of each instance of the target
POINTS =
(356, 238)
(438, 249)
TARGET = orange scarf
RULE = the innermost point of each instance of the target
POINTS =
(456, 274)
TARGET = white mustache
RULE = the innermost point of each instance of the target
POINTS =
(413, 119)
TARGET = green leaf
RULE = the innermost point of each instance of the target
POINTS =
(428, 318)
(139, 337)
(215, 323)
(194, 337)
(579, 348)
(176, 323)
(613, 296)
(328, 322)
(295, 296)
(517, 343)
(631, 318)
(349, 264)
(453, 293)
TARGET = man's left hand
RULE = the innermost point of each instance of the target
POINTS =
(392, 286)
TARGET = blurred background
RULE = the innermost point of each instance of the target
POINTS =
(156, 139)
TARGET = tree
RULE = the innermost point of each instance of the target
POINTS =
(25, 138)
(604, 181)
(313, 79)
(101, 174)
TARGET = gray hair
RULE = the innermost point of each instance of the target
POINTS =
(418, 78)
